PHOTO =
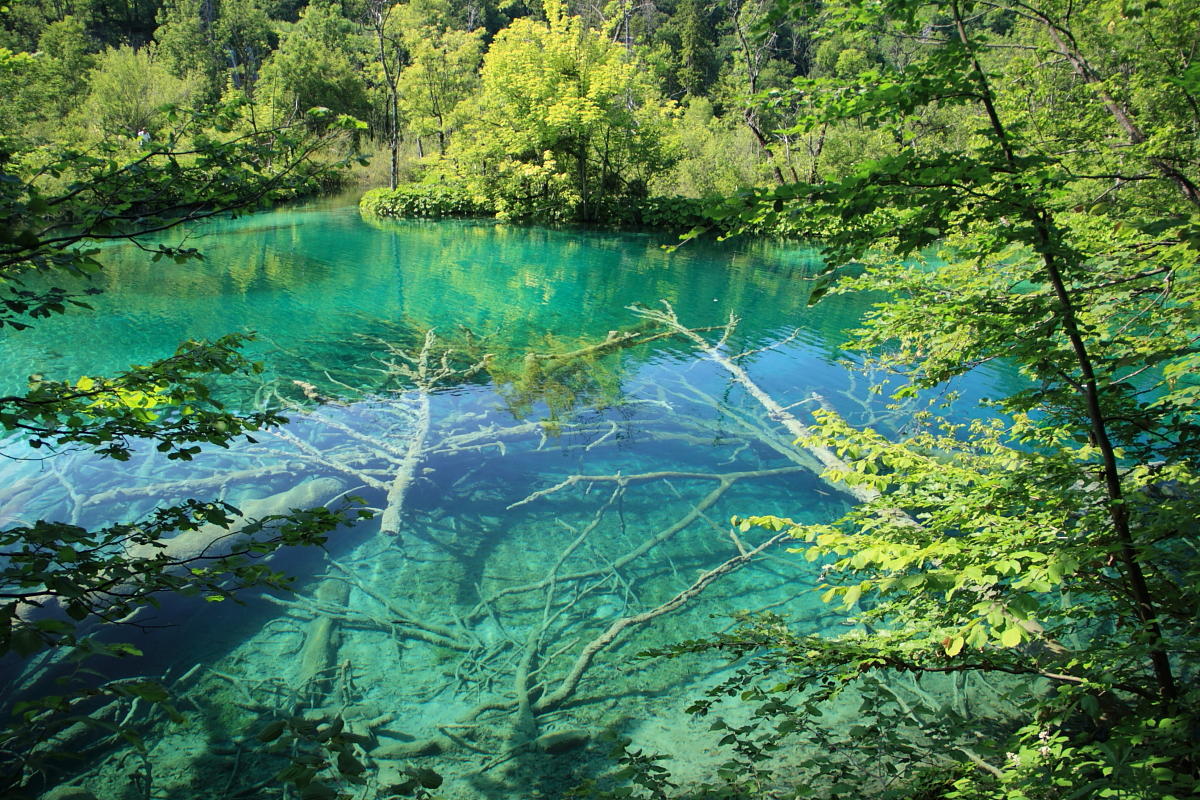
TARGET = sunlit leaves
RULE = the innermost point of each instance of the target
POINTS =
(441, 71)
(992, 548)
(565, 125)
(167, 401)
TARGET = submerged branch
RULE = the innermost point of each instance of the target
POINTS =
(795, 427)
(586, 656)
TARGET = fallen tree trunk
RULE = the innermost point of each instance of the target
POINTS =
(213, 541)
(795, 427)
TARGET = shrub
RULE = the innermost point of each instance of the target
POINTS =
(424, 200)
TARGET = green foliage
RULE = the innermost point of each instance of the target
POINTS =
(565, 126)
(59, 577)
(16, 72)
(424, 200)
(166, 401)
(442, 68)
(215, 44)
(188, 46)
(59, 582)
(639, 775)
(58, 200)
(1052, 548)
(317, 65)
(670, 213)
(431, 200)
(716, 158)
(695, 54)
(66, 59)
(245, 37)
(412, 71)
(130, 88)
(130, 22)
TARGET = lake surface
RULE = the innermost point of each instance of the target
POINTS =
(526, 511)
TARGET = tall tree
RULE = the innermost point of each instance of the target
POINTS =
(442, 70)
(753, 57)
(696, 52)
(67, 57)
(390, 57)
(122, 22)
(245, 35)
(1057, 542)
(188, 45)
(565, 125)
(129, 89)
(318, 64)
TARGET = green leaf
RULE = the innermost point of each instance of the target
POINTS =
(272, 731)
(1011, 636)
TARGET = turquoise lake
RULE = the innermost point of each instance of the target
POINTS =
(524, 511)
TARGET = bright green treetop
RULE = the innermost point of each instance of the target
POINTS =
(565, 124)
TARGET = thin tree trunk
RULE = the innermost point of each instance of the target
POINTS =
(1089, 390)
(749, 114)
(379, 15)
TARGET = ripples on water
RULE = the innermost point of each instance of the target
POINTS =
(538, 513)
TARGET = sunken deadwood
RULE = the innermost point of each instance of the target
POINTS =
(521, 649)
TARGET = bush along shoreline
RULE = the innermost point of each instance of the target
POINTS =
(444, 200)
(675, 214)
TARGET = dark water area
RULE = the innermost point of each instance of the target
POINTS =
(521, 512)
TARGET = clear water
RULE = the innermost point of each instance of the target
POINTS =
(420, 638)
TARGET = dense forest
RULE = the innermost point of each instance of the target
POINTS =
(551, 112)
(1013, 182)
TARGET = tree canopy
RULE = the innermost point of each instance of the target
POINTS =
(1057, 541)
(563, 122)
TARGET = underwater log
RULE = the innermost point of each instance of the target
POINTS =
(322, 639)
(213, 541)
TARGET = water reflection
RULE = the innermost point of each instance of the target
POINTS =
(310, 279)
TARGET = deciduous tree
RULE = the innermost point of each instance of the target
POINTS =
(1057, 542)
(565, 124)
